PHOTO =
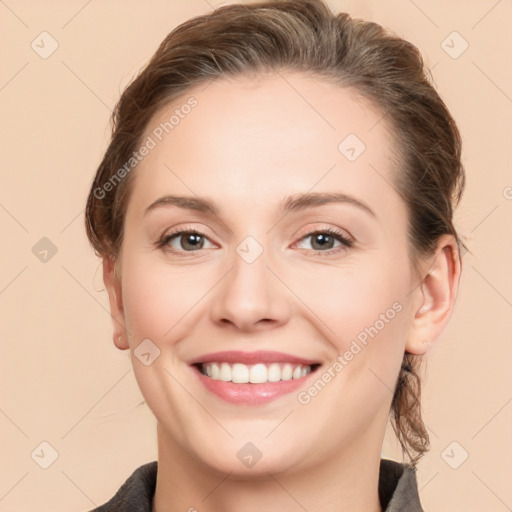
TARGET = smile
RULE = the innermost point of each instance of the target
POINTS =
(240, 373)
(252, 378)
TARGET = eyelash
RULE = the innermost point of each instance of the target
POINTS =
(338, 235)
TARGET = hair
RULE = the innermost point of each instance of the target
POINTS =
(241, 40)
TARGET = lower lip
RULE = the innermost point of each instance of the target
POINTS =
(250, 394)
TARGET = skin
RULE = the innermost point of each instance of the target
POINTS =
(247, 146)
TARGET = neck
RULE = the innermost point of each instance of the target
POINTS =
(348, 482)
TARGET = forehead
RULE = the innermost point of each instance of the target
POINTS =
(254, 137)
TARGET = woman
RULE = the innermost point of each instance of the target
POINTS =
(274, 214)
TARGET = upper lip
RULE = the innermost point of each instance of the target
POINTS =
(260, 356)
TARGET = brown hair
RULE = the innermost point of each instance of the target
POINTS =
(304, 36)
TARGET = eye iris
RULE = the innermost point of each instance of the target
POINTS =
(323, 240)
(192, 240)
(195, 241)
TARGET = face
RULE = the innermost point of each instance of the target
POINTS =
(290, 251)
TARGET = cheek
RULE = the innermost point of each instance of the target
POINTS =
(157, 301)
(356, 295)
(159, 305)
(362, 312)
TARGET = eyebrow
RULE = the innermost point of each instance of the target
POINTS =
(295, 202)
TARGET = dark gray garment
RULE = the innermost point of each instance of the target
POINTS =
(398, 490)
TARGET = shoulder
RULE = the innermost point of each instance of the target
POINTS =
(136, 494)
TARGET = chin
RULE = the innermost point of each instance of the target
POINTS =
(249, 463)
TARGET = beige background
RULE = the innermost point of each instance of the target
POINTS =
(61, 379)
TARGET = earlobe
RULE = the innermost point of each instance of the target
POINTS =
(120, 341)
(435, 297)
(114, 289)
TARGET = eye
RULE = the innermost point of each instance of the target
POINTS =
(189, 240)
(325, 241)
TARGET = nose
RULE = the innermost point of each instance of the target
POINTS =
(251, 297)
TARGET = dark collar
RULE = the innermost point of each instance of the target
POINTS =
(398, 491)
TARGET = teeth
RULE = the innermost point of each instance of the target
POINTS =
(297, 372)
(239, 373)
(287, 372)
(256, 374)
(274, 372)
(225, 372)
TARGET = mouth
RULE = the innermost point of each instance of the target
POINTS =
(240, 373)
(252, 378)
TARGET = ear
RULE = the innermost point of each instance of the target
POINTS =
(115, 296)
(434, 298)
